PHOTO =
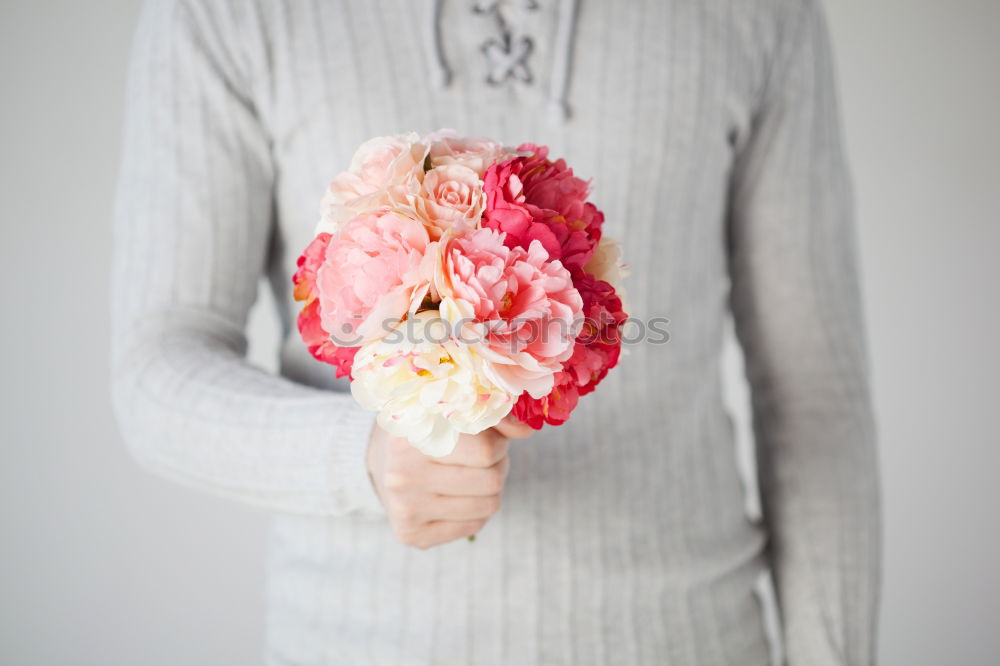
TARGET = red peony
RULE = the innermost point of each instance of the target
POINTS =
(553, 409)
(309, 322)
(533, 198)
(596, 351)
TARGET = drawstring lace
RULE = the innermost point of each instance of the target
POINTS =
(508, 56)
(562, 61)
(438, 63)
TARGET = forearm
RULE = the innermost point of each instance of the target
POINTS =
(192, 409)
(797, 305)
(192, 224)
(819, 481)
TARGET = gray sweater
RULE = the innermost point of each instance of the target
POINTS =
(711, 132)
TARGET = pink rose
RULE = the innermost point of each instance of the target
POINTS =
(532, 198)
(316, 338)
(474, 152)
(596, 350)
(450, 196)
(383, 170)
(375, 271)
(521, 307)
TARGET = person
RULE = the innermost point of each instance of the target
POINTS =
(711, 132)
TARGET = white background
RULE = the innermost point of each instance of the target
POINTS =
(103, 564)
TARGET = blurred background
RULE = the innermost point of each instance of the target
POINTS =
(102, 563)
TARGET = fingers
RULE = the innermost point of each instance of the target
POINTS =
(511, 428)
(439, 532)
(443, 507)
(439, 519)
(430, 501)
(458, 481)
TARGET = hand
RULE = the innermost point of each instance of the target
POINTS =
(430, 501)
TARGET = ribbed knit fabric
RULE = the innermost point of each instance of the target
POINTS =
(710, 130)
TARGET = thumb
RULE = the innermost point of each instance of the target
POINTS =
(511, 428)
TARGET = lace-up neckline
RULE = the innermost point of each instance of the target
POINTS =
(508, 52)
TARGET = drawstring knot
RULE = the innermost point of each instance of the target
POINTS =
(508, 58)
(508, 55)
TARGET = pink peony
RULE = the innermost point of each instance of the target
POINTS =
(532, 198)
(383, 170)
(596, 350)
(375, 271)
(311, 329)
(474, 152)
(515, 302)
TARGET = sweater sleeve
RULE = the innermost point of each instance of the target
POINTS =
(797, 308)
(192, 223)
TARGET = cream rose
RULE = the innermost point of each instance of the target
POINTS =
(450, 197)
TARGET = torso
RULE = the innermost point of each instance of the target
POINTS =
(623, 537)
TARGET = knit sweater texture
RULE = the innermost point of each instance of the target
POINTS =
(710, 129)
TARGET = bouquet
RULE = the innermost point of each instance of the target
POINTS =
(457, 281)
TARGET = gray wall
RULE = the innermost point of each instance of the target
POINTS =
(921, 90)
(103, 564)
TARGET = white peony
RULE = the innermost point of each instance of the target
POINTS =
(426, 386)
(606, 265)
(474, 152)
(383, 170)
